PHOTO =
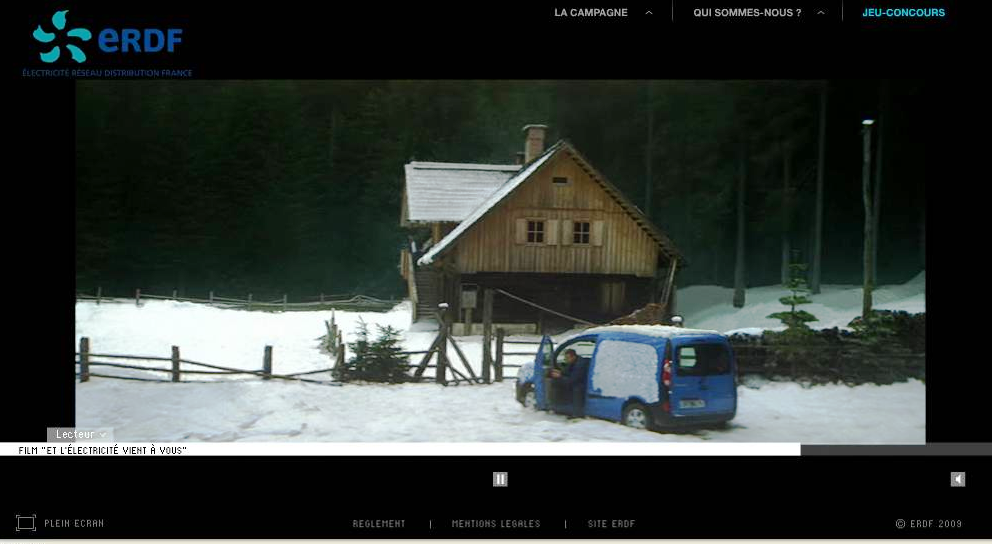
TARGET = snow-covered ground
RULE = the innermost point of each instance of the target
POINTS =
(259, 411)
(239, 409)
(709, 307)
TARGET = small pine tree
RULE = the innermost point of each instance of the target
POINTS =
(795, 319)
(378, 360)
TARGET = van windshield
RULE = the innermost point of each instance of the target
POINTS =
(703, 360)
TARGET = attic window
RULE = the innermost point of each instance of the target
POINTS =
(535, 232)
(559, 181)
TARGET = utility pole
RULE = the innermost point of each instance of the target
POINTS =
(740, 262)
(649, 181)
(866, 197)
(818, 221)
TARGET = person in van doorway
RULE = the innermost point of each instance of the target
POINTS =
(571, 381)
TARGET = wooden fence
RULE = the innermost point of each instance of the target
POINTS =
(492, 367)
(338, 302)
(87, 359)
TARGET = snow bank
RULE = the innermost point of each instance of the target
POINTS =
(225, 337)
(709, 307)
(284, 411)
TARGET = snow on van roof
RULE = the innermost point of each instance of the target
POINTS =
(660, 331)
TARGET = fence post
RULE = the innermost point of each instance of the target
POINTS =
(211, 298)
(441, 368)
(84, 359)
(334, 332)
(487, 334)
(99, 295)
(468, 321)
(500, 332)
(322, 301)
(339, 366)
(175, 363)
(175, 294)
(329, 338)
(267, 364)
(249, 301)
(137, 297)
(284, 302)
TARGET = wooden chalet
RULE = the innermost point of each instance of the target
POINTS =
(552, 230)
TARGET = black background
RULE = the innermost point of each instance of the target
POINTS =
(317, 497)
(667, 497)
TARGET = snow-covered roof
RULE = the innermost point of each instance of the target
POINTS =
(490, 203)
(447, 191)
(660, 331)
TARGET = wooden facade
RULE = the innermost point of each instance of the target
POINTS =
(616, 244)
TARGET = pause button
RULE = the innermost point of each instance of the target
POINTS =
(500, 479)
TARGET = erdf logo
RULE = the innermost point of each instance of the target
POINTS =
(130, 39)
(127, 40)
(53, 54)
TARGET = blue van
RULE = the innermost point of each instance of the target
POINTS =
(643, 376)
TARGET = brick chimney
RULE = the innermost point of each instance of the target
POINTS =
(534, 143)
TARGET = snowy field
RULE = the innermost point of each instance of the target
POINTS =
(237, 409)
(708, 307)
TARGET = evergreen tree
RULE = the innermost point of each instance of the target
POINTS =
(378, 360)
(795, 319)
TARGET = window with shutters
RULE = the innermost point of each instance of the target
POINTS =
(580, 232)
(535, 232)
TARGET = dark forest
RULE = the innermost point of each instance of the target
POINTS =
(272, 187)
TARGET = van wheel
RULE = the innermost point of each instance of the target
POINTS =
(530, 399)
(635, 415)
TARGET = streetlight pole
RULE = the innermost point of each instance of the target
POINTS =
(866, 196)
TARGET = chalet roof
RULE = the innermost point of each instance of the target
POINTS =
(489, 203)
(447, 191)
(667, 247)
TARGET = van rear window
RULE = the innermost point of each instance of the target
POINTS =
(703, 360)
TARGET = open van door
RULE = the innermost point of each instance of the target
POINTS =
(542, 364)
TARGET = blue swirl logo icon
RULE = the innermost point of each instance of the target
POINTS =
(52, 55)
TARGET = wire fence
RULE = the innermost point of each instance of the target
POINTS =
(361, 303)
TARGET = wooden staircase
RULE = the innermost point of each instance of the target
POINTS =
(427, 293)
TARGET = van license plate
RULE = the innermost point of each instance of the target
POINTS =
(693, 403)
